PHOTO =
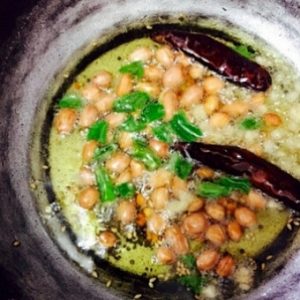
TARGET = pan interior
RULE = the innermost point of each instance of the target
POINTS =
(63, 231)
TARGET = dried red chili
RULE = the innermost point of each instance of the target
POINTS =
(237, 161)
(218, 57)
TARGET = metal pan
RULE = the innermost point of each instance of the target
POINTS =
(55, 38)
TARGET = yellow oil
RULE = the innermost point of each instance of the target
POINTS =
(65, 162)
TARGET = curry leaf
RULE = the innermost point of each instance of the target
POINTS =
(235, 183)
(212, 190)
(70, 101)
(105, 185)
(223, 186)
(193, 282)
(98, 131)
(244, 51)
(152, 112)
(125, 190)
(184, 129)
(102, 153)
(135, 68)
(189, 261)
(131, 102)
(163, 132)
(146, 156)
(251, 123)
(180, 166)
(133, 125)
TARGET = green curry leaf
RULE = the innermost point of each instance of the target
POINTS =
(189, 261)
(251, 123)
(98, 131)
(131, 102)
(244, 51)
(70, 101)
(135, 68)
(193, 282)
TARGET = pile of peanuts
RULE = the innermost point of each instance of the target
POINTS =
(178, 83)
(212, 222)
(170, 76)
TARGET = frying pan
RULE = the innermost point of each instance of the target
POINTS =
(53, 39)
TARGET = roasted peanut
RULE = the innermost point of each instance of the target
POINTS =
(173, 77)
(103, 79)
(255, 200)
(234, 231)
(86, 176)
(105, 103)
(137, 168)
(151, 88)
(176, 240)
(88, 197)
(212, 85)
(153, 74)
(165, 56)
(107, 239)
(160, 198)
(143, 54)
(156, 224)
(225, 266)
(205, 172)
(88, 151)
(272, 119)
(182, 59)
(125, 140)
(219, 120)
(211, 104)
(196, 205)
(124, 176)
(165, 255)
(216, 234)
(245, 216)
(194, 224)
(88, 116)
(191, 96)
(207, 260)
(91, 93)
(196, 71)
(118, 162)
(178, 185)
(124, 85)
(126, 212)
(236, 108)
(115, 119)
(170, 103)
(160, 178)
(215, 211)
(160, 148)
(65, 120)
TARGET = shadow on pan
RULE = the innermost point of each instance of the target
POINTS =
(9, 13)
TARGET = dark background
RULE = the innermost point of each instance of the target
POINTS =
(10, 12)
